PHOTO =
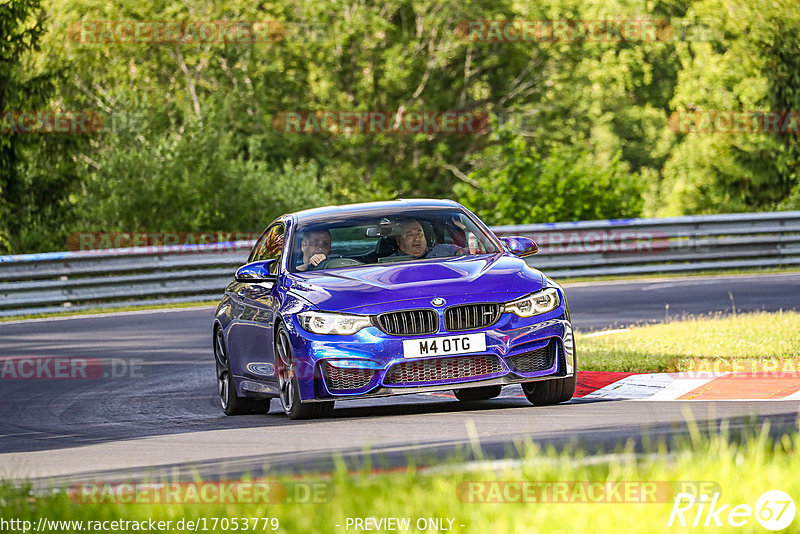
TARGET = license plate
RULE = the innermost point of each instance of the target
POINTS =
(439, 346)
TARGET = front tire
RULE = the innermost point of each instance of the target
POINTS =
(477, 394)
(288, 383)
(547, 392)
(231, 403)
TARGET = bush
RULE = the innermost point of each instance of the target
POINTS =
(514, 184)
(193, 181)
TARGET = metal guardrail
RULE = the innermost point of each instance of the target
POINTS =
(59, 281)
(64, 281)
(665, 245)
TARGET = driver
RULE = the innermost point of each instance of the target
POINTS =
(412, 242)
(316, 245)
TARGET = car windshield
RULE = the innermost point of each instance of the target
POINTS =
(387, 238)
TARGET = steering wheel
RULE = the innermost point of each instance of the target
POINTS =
(329, 263)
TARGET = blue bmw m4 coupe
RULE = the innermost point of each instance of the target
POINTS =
(388, 298)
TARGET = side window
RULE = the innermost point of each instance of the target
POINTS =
(270, 246)
(257, 247)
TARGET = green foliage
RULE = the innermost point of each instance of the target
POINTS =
(194, 179)
(517, 183)
(751, 65)
(5, 246)
(190, 141)
(21, 28)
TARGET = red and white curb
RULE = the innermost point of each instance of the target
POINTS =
(690, 386)
(604, 385)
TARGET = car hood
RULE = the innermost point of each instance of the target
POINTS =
(369, 289)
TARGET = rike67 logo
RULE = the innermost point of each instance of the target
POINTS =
(774, 510)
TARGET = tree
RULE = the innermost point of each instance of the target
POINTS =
(518, 185)
(21, 27)
(752, 65)
(192, 133)
(192, 181)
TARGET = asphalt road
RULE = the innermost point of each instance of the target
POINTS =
(155, 411)
(601, 305)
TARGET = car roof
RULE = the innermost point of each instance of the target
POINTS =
(370, 208)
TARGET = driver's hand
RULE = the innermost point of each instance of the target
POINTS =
(316, 259)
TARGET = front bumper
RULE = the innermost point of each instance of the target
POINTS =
(373, 359)
(385, 391)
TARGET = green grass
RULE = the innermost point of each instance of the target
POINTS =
(92, 311)
(741, 470)
(754, 341)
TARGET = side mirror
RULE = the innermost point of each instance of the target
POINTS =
(520, 246)
(258, 271)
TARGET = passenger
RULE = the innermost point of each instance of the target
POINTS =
(412, 242)
(316, 245)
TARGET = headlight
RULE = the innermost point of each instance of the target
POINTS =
(332, 323)
(534, 304)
